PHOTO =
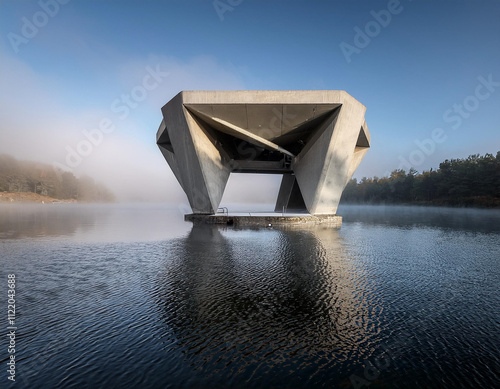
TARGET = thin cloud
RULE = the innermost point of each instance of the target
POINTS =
(39, 124)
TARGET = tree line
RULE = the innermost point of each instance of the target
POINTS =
(44, 179)
(473, 181)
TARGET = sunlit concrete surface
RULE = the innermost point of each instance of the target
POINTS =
(315, 139)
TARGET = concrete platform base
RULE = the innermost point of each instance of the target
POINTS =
(265, 220)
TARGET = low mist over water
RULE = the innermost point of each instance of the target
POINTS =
(133, 296)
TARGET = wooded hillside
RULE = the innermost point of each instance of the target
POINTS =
(474, 181)
(44, 179)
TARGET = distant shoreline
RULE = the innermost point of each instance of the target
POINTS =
(475, 202)
(29, 197)
(478, 202)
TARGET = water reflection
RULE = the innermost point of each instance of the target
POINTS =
(44, 220)
(267, 303)
(132, 296)
(91, 222)
(464, 219)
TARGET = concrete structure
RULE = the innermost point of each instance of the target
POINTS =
(266, 220)
(315, 139)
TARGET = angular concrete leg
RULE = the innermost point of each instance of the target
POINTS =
(195, 160)
(322, 168)
(289, 197)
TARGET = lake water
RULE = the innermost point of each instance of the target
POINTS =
(131, 296)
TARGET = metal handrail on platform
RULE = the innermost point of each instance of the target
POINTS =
(224, 210)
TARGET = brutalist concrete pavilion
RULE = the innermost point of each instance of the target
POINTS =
(314, 139)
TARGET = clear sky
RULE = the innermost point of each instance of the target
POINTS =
(427, 71)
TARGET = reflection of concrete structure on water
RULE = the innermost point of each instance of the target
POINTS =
(314, 139)
(261, 301)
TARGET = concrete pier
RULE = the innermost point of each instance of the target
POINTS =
(265, 219)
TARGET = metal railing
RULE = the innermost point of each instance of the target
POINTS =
(225, 211)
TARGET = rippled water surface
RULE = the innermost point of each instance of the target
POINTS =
(131, 296)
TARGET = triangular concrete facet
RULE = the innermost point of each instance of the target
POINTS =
(289, 196)
(198, 163)
(322, 168)
(362, 147)
(214, 169)
(170, 158)
(309, 164)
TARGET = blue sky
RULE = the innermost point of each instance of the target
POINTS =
(418, 69)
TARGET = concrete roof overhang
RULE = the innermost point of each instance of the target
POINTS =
(275, 125)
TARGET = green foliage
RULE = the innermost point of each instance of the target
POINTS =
(473, 181)
(27, 176)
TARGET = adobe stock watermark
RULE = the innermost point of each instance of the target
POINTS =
(121, 106)
(454, 116)
(363, 37)
(31, 26)
(223, 6)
